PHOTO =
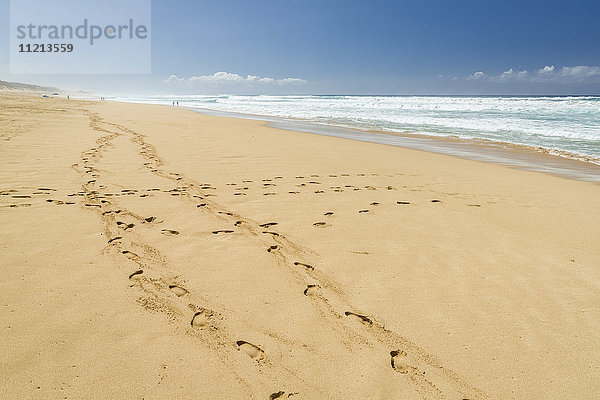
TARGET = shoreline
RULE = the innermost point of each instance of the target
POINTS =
(527, 157)
(519, 156)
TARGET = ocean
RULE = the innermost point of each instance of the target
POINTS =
(567, 126)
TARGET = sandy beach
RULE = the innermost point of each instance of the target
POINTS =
(151, 252)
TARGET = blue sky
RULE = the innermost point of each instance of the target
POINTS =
(359, 47)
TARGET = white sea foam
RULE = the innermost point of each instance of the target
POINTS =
(565, 124)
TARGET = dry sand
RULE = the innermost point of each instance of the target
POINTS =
(153, 252)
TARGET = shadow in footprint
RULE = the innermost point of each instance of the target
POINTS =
(222, 231)
(399, 361)
(253, 351)
(272, 248)
(361, 318)
(137, 275)
(169, 232)
(178, 290)
(115, 238)
(320, 224)
(124, 225)
(402, 202)
(201, 319)
(129, 254)
(276, 395)
(268, 224)
(311, 290)
(307, 266)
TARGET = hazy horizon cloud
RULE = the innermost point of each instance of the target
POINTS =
(549, 73)
(228, 78)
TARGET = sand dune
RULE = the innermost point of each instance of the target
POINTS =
(153, 252)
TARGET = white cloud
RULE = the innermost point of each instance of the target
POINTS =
(576, 74)
(477, 75)
(547, 69)
(579, 73)
(225, 78)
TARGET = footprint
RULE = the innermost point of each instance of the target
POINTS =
(276, 395)
(169, 232)
(238, 223)
(436, 201)
(328, 213)
(363, 211)
(361, 318)
(178, 290)
(402, 202)
(201, 205)
(124, 225)
(269, 194)
(474, 205)
(201, 319)
(272, 247)
(271, 233)
(115, 238)
(129, 254)
(137, 275)
(268, 224)
(399, 361)
(150, 219)
(320, 223)
(222, 231)
(311, 290)
(226, 213)
(307, 266)
(375, 203)
(254, 352)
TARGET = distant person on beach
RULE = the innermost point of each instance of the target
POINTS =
(177, 104)
(67, 97)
